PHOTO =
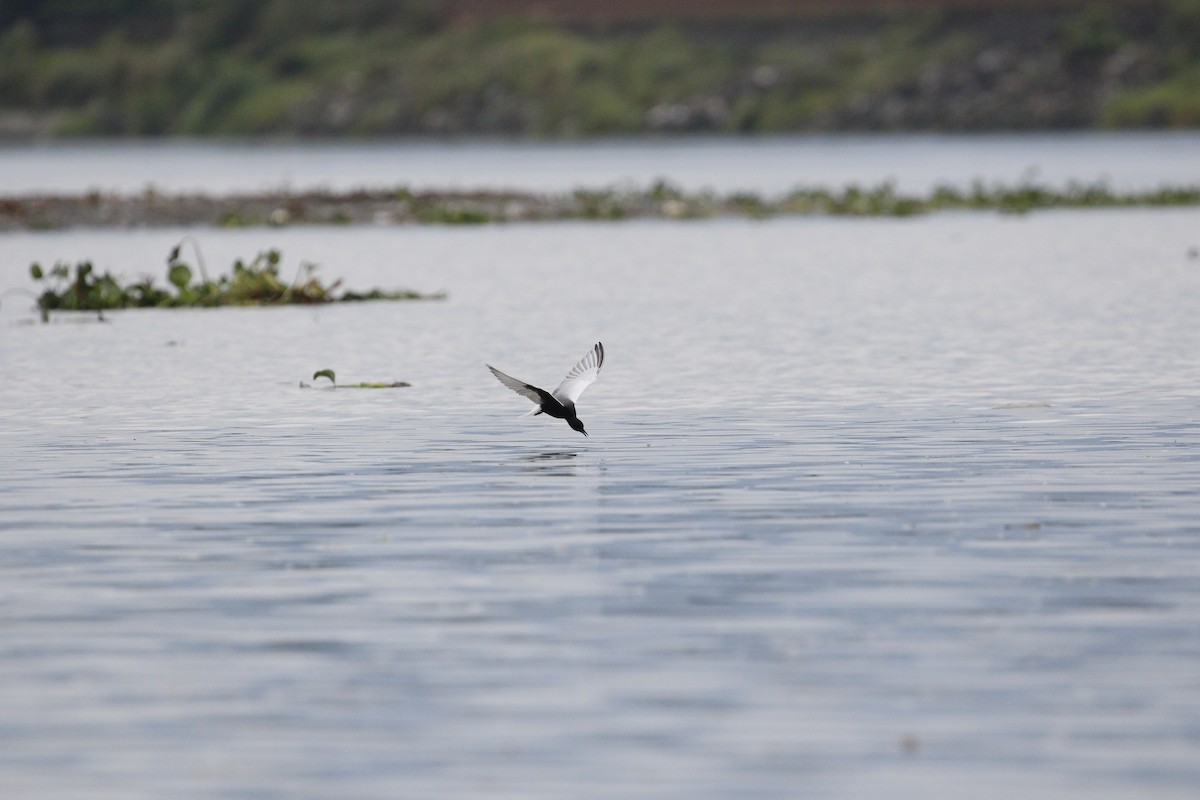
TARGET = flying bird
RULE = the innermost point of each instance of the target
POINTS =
(561, 402)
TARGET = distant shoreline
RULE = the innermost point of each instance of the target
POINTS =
(401, 206)
(573, 69)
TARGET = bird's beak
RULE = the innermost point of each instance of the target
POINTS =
(584, 433)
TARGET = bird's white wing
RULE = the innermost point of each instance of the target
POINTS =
(581, 376)
(520, 387)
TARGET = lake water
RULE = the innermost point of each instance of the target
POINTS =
(870, 508)
(915, 163)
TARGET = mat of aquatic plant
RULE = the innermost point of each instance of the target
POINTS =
(256, 282)
(331, 376)
(660, 200)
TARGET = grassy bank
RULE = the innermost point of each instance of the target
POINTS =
(363, 67)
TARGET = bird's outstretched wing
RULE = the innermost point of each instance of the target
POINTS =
(581, 376)
(535, 394)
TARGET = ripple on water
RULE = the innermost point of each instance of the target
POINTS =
(864, 530)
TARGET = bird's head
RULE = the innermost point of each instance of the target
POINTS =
(575, 423)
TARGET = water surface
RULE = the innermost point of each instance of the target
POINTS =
(870, 508)
(1131, 161)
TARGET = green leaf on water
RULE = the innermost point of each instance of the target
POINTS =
(325, 373)
(36, 271)
(180, 275)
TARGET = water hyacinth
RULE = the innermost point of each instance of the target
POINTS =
(331, 376)
(252, 283)
(661, 200)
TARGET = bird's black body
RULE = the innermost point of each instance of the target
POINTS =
(551, 406)
(557, 410)
(560, 404)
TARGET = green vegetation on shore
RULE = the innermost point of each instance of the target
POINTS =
(369, 67)
(254, 283)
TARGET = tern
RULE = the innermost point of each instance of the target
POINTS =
(561, 402)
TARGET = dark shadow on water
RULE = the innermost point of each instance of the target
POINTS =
(554, 455)
(553, 462)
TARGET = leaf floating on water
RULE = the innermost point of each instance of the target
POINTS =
(325, 373)
(180, 275)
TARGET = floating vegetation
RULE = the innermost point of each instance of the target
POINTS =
(333, 384)
(253, 283)
(661, 200)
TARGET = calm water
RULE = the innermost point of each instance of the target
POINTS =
(1126, 161)
(870, 509)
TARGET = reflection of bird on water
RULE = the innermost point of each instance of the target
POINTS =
(556, 463)
(561, 402)
(554, 456)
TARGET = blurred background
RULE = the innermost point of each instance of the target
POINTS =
(573, 68)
